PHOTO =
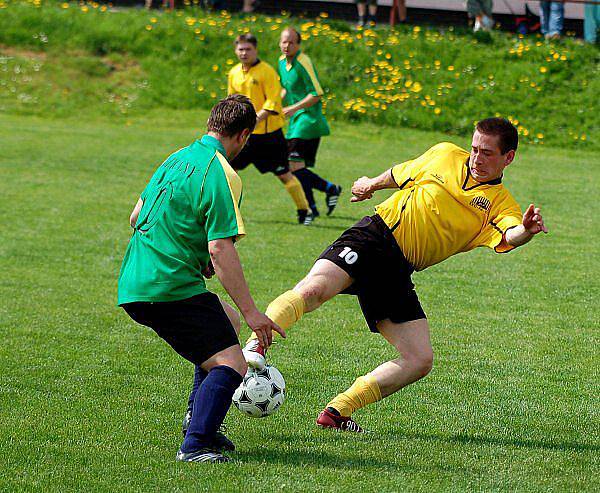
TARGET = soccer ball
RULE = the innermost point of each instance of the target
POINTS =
(261, 393)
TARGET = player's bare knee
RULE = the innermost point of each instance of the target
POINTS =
(312, 291)
(423, 364)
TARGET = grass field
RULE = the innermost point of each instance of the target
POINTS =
(90, 401)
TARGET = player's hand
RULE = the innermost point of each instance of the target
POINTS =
(532, 220)
(288, 111)
(208, 271)
(263, 327)
(361, 189)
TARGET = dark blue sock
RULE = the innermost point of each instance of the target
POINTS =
(305, 180)
(211, 404)
(317, 182)
(199, 376)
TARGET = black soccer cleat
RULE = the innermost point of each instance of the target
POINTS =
(305, 217)
(332, 197)
(220, 442)
(205, 454)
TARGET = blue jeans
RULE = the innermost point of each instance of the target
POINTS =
(591, 24)
(552, 15)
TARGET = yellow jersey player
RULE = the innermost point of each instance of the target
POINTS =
(449, 201)
(266, 147)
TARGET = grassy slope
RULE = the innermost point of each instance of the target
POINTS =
(90, 401)
(65, 61)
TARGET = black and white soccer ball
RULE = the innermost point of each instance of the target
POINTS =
(261, 393)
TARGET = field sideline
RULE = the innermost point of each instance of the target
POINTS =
(89, 400)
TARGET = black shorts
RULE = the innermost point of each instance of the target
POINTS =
(268, 153)
(370, 255)
(196, 328)
(303, 150)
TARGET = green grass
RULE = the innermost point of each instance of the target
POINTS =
(91, 401)
(88, 59)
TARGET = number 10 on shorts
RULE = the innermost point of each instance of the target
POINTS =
(349, 255)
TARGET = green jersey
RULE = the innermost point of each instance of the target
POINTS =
(299, 79)
(192, 198)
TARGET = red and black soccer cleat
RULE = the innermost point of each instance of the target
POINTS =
(328, 419)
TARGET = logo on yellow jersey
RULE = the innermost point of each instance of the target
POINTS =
(439, 178)
(481, 203)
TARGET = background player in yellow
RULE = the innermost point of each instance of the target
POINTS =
(449, 201)
(267, 147)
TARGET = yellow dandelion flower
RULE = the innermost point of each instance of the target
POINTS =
(65, 5)
(388, 56)
(563, 57)
(583, 137)
(197, 30)
(540, 136)
(229, 61)
(543, 70)
(200, 88)
(148, 27)
(451, 68)
(213, 95)
(153, 20)
(215, 68)
(437, 111)
(85, 8)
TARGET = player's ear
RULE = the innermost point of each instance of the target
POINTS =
(510, 155)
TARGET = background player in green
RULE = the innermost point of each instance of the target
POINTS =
(302, 97)
(186, 222)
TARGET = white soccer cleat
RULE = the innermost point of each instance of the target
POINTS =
(255, 355)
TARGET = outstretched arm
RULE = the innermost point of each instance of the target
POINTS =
(532, 225)
(364, 187)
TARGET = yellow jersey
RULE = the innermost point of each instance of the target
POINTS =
(442, 210)
(261, 84)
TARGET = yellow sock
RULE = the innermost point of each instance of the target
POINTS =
(285, 310)
(294, 188)
(363, 391)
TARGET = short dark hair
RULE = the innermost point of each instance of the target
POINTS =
(232, 115)
(294, 30)
(246, 38)
(508, 136)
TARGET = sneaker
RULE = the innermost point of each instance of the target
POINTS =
(220, 442)
(328, 419)
(361, 22)
(255, 355)
(205, 454)
(331, 198)
(305, 218)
